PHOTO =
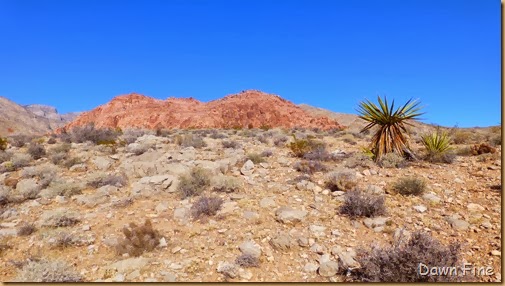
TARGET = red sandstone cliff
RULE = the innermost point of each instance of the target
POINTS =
(246, 109)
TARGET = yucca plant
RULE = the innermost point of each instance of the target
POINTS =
(438, 146)
(392, 135)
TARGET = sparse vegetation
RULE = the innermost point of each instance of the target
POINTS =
(20, 160)
(231, 144)
(391, 135)
(400, 262)
(462, 137)
(226, 184)
(130, 135)
(26, 229)
(138, 239)
(48, 271)
(20, 140)
(438, 147)
(362, 204)
(279, 141)
(190, 140)
(102, 136)
(300, 147)
(392, 160)
(3, 144)
(194, 183)
(310, 166)
(410, 186)
(5, 156)
(206, 206)
(117, 180)
(60, 218)
(255, 158)
(359, 159)
(247, 261)
(36, 150)
(342, 180)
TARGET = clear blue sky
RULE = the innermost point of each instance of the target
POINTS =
(78, 54)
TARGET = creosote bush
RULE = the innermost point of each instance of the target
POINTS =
(410, 186)
(342, 180)
(401, 262)
(226, 184)
(138, 239)
(206, 206)
(194, 183)
(362, 204)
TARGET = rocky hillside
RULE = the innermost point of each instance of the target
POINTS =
(247, 109)
(237, 205)
(30, 119)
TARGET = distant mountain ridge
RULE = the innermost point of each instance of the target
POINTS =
(33, 119)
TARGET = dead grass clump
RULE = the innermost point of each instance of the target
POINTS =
(263, 139)
(401, 262)
(206, 206)
(20, 140)
(255, 158)
(462, 137)
(319, 153)
(190, 140)
(64, 240)
(247, 261)
(445, 157)
(349, 139)
(109, 180)
(138, 239)
(410, 186)
(231, 144)
(226, 184)
(20, 160)
(62, 148)
(5, 156)
(361, 204)
(464, 151)
(310, 166)
(26, 229)
(68, 163)
(194, 182)
(392, 160)
(48, 271)
(267, 153)
(280, 140)
(60, 218)
(214, 134)
(342, 180)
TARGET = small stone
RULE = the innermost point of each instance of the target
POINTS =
(420, 208)
(86, 227)
(310, 267)
(366, 172)
(288, 215)
(250, 248)
(495, 253)
(119, 278)
(317, 248)
(325, 192)
(227, 269)
(336, 233)
(163, 242)
(245, 274)
(328, 269)
(475, 207)
(375, 222)
(267, 203)
(303, 242)
(458, 181)
(176, 249)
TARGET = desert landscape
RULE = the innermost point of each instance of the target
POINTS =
(247, 188)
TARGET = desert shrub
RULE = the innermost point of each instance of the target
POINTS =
(263, 139)
(342, 180)
(410, 186)
(51, 141)
(362, 204)
(71, 162)
(26, 229)
(58, 158)
(20, 160)
(464, 151)
(392, 160)
(190, 140)
(214, 134)
(44, 173)
(309, 166)
(5, 156)
(280, 140)
(462, 137)
(247, 260)
(206, 206)
(102, 136)
(401, 262)
(121, 203)
(130, 135)
(231, 144)
(194, 182)
(117, 180)
(48, 271)
(61, 148)
(298, 179)
(319, 153)
(3, 144)
(60, 218)
(63, 188)
(64, 240)
(138, 239)
(349, 139)
(446, 157)
(359, 159)
(226, 184)
(266, 153)
(255, 158)
(300, 147)
(495, 140)
(20, 140)
(161, 132)
(36, 150)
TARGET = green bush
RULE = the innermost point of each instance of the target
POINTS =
(438, 147)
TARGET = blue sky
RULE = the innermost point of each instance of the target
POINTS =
(76, 55)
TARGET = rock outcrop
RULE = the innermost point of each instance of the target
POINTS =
(248, 109)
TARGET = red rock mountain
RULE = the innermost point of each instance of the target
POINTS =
(247, 109)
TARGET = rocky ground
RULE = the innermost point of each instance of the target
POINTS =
(290, 224)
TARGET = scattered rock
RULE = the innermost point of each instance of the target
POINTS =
(282, 242)
(328, 269)
(475, 207)
(289, 215)
(375, 222)
(310, 267)
(267, 202)
(247, 169)
(227, 269)
(251, 248)
(420, 208)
